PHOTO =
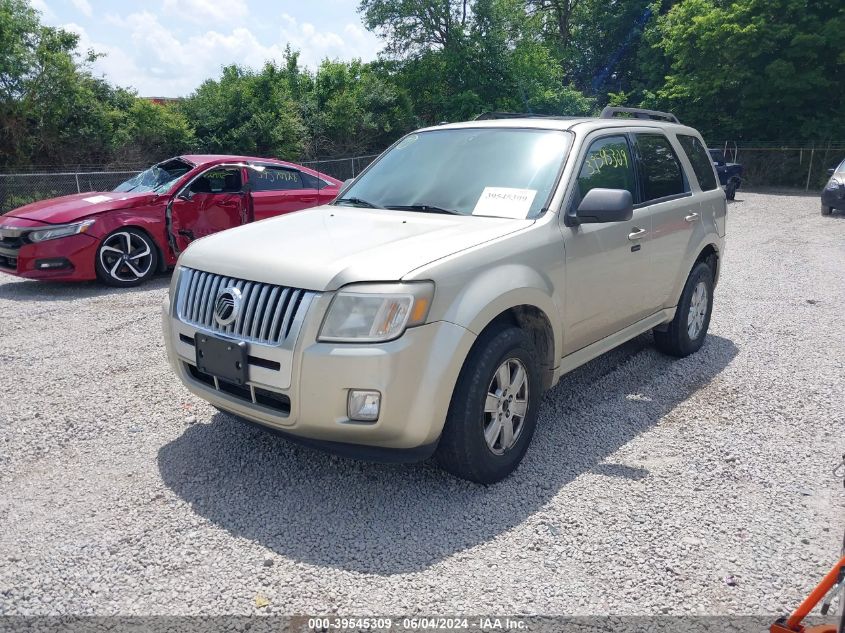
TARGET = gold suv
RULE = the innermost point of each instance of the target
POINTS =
(458, 277)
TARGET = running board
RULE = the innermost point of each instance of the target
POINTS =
(594, 350)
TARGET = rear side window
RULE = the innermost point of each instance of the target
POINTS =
(275, 179)
(607, 165)
(660, 170)
(312, 182)
(700, 161)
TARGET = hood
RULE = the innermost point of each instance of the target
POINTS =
(79, 205)
(327, 247)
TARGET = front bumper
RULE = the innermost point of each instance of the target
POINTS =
(76, 253)
(834, 198)
(415, 375)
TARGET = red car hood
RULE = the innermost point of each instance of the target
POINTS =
(79, 205)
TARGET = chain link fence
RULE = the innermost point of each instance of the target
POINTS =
(785, 165)
(764, 165)
(21, 188)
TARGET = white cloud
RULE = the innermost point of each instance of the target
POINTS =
(84, 7)
(41, 6)
(159, 61)
(315, 45)
(215, 13)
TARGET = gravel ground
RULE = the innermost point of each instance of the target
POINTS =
(649, 482)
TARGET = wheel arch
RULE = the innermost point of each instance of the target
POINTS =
(162, 263)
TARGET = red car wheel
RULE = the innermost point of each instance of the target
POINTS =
(126, 257)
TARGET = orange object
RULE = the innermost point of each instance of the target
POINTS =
(792, 624)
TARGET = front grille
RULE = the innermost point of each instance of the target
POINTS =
(11, 239)
(249, 394)
(10, 263)
(268, 313)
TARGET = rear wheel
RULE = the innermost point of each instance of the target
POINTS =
(126, 257)
(685, 334)
(493, 411)
(730, 190)
(826, 210)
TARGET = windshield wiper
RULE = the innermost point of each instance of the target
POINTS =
(426, 208)
(359, 202)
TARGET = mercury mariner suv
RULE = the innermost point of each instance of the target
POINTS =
(459, 276)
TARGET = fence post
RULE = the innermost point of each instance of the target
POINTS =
(810, 167)
(78, 190)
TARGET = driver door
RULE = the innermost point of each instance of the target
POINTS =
(212, 202)
(608, 266)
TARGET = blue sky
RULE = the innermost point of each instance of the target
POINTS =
(168, 47)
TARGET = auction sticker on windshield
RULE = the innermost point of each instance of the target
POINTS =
(505, 202)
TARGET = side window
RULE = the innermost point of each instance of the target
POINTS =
(660, 171)
(607, 165)
(700, 161)
(222, 180)
(275, 179)
(309, 181)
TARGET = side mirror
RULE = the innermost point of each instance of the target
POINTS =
(346, 183)
(605, 205)
(185, 194)
(830, 171)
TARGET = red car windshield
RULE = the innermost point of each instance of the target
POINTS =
(158, 178)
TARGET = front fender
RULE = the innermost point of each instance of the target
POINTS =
(498, 289)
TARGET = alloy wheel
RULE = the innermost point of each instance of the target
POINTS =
(697, 310)
(506, 406)
(126, 256)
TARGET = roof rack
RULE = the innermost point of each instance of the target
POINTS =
(486, 116)
(638, 113)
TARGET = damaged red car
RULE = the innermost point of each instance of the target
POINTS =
(123, 237)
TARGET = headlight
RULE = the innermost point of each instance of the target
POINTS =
(373, 313)
(55, 232)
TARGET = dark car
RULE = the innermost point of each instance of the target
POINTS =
(730, 174)
(833, 196)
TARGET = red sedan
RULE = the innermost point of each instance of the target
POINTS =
(123, 237)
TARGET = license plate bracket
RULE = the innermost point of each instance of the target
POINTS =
(224, 359)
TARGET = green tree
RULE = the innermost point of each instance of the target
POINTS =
(247, 112)
(752, 69)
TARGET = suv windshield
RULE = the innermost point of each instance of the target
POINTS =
(502, 172)
(158, 178)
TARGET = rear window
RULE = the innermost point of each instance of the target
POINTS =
(700, 161)
(660, 170)
(275, 179)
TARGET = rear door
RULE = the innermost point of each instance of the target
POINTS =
(667, 198)
(276, 190)
(324, 192)
(213, 201)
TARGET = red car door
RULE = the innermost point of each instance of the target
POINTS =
(277, 190)
(213, 202)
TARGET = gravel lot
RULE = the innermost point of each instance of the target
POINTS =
(650, 480)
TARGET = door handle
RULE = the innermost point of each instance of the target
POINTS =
(692, 217)
(637, 234)
(308, 199)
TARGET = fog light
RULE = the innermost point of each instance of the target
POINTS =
(363, 406)
(52, 264)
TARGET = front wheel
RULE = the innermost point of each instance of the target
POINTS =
(685, 334)
(826, 210)
(493, 411)
(126, 257)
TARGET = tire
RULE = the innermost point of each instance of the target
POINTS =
(125, 258)
(687, 331)
(826, 210)
(730, 191)
(464, 450)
